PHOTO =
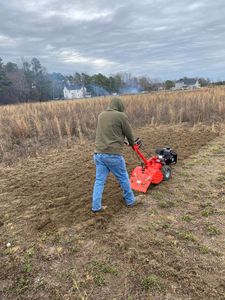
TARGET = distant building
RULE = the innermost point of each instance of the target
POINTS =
(161, 88)
(75, 92)
(187, 84)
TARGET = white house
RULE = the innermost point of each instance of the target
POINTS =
(187, 84)
(75, 92)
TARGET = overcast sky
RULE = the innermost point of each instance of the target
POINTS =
(159, 38)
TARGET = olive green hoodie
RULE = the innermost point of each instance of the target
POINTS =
(113, 126)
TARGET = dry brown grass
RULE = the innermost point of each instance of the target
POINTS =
(25, 128)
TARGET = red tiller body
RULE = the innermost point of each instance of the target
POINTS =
(150, 172)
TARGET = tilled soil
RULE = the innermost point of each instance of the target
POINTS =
(55, 191)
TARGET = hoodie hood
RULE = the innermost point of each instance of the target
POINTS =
(116, 104)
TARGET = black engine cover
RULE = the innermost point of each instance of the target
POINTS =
(168, 155)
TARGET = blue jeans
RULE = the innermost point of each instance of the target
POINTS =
(114, 163)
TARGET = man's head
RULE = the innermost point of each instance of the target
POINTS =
(116, 104)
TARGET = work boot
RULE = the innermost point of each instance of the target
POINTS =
(138, 201)
(130, 205)
(100, 210)
(133, 204)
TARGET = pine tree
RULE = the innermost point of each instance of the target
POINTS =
(4, 81)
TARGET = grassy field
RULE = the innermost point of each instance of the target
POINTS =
(28, 129)
(170, 246)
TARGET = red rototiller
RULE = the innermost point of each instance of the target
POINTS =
(153, 170)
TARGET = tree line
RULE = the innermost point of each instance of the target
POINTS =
(31, 82)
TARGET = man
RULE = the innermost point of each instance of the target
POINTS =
(113, 126)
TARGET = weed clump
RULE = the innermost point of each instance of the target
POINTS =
(102, 267)
(213, 230)
(204, 249)
(186, 236)
(208, 211)
(99, 280)
(152, 283)
(98, 269)
(186, 218)
(21, 285)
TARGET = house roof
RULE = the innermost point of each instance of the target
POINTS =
(187, 81)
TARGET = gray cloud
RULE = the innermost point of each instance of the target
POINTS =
(149, 37)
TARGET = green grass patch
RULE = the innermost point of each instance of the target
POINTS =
(20, 286)
(186, 218)
(27, 264)
(102, 267)
(208, 211)
(152, 283)
(203, 249)
(186, 236)
(30, 252)
(99, 280)
(205, 204)
(98, 269)
(213, 230)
